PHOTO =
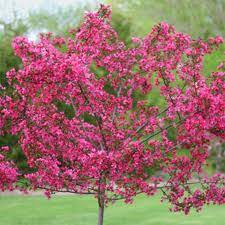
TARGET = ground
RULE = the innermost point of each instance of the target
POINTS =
(82, 210)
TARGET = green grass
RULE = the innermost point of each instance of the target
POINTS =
(82, 210)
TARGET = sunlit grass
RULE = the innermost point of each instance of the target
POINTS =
(82, 210)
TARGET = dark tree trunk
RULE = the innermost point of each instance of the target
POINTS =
(101, 201)
(100, 214)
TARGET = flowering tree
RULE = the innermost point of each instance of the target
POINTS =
(113, 145)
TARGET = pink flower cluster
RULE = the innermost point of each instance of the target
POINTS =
(115, 145)
(8, 174)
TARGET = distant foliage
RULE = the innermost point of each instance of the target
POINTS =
(201, 18)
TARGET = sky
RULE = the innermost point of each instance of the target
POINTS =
(21, 7)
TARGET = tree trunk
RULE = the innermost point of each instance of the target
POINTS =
(101, 201)
(100, 214)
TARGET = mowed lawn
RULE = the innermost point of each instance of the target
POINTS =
(82, 210)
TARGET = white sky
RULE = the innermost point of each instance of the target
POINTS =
(23, 6)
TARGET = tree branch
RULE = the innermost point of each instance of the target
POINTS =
(67, 191)
(161, 187)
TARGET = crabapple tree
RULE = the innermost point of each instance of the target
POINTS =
(112, 144)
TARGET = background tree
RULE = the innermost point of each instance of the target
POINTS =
(199, 18)
(8, 31)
